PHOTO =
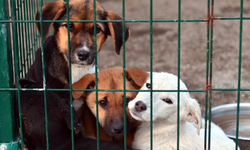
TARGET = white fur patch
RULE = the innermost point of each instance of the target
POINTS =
(164, 119)
(78, 71)
(85, 48)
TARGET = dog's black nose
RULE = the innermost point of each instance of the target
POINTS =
(140, 106)
(83, 55)
(118, 129)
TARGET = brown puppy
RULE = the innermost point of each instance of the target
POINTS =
(110, 104)
(56, 54)
(82, 47)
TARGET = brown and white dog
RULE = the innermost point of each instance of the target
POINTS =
(56, 54)
(82, 47)
(110, 104)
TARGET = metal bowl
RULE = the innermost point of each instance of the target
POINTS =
(225, 116)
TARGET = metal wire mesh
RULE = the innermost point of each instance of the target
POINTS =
(26, 41)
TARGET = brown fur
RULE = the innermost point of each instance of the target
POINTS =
(82, 54)
(113, 113)
(81, 33)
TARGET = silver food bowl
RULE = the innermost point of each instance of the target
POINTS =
(225, 116)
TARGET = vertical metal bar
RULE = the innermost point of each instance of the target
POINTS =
(26, 37)
(151, 74)
(7, 121)
(207, 71)
(178, 95)
(34, 33)
(96, 78)
(19, 38)
(239, 74)
(22, 33)
(15, 46)
(124, 74)
(70, 78)
(32, 37)
(211, 73)
(37, 34)
(44, 78)
(30, 32)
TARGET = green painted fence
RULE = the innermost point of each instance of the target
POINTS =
(19, 40)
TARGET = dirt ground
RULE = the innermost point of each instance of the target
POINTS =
(193, 44)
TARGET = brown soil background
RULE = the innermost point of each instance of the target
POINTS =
(193, 44)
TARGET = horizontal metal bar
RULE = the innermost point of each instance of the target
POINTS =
(172, 20)
(117, 90)
(220, 89)
(33, 21)
(108, 90)
(230, 18)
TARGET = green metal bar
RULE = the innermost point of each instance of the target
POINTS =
(22, 33)
(26, 37)
(171, 20)
(119, 90)
(151, 74)
(207, 72)
(7, 121)
(210, 75)
(44, 78)
(96, 78)
(37, 34)
(124, 74)
(109, 90)
(34, 43)
(31, 6)
(70, 78)
(27, 31)
(231, 89)
(16, 59)
(19, 39)
(239, 74)
(179, 59)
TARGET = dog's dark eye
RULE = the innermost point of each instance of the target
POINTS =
(128, 99)
(98, 30)
(167, 100)
(103, 103)
(71, 26)
(148, 85)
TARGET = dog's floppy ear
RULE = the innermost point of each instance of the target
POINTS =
(50, 11)
(115, 29)
(24, 82)
(136, 76)
(86, 82)
(193, 113)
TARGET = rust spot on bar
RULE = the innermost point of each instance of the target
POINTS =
(212, 15)
(208, 17)
(217, 18)
(208, 86)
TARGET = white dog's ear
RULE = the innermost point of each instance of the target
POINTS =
(193, 113)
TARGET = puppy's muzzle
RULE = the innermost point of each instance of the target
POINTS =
(82, 55)
(118, 129)
(140, 106)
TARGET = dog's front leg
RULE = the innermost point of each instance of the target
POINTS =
(65, 111)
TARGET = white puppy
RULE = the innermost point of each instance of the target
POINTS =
(164, 118)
